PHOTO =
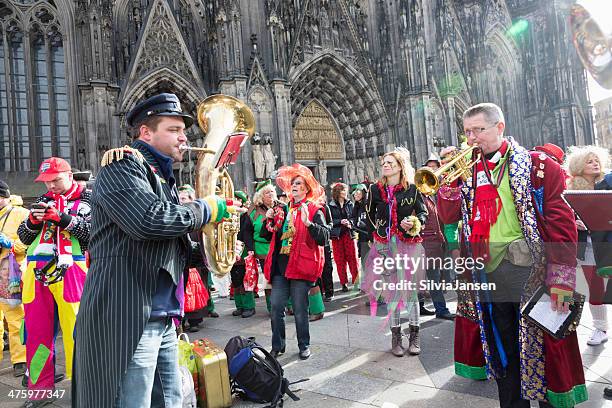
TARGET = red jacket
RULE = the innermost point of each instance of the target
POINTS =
(433, 238)
(306, 257)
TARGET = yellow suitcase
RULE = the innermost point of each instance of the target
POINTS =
(213, 375)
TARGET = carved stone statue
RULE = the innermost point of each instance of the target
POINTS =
(259, 162)
(269, 158)
(322, 173)
(360, 171)
(371, 168)
(350, 172)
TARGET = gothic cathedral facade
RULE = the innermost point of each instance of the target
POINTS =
(333, 83)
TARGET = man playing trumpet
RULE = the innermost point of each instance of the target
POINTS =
(516, 222)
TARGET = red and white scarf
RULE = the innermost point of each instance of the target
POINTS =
(487, 203)
(51, 236)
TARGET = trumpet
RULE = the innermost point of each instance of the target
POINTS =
(460, 166)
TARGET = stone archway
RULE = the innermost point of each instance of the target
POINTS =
(317, 143)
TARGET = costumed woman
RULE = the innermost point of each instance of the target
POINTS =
(396, 210)
(586, 168)
(241, 283)
(343, 235)
(263, 199)
(197, 302)
(298, 233)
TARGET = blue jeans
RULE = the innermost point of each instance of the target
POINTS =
(152, 378)
(437, 296)
(282, 288)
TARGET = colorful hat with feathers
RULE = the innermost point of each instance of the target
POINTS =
(288, 173)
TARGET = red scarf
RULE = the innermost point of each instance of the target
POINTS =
(487, 203)
(62, 242)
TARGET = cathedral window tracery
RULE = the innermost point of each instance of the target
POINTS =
(36, 124)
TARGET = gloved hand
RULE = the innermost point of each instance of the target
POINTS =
(52, 214)
(561, 297)
(5, 241)
(221, 208)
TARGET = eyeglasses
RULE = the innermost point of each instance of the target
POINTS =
(477, 131)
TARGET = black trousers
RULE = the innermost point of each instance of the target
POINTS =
(509, 280)
(326, 282)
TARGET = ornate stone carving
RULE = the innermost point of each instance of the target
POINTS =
(315, 135)
(259, 101)
(162, 45)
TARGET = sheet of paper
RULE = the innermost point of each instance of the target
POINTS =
(542, 313)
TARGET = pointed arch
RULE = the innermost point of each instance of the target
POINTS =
(162, 50)
(351, 100)
(139, 90)
(316, 136)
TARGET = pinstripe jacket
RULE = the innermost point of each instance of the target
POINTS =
(137, 228)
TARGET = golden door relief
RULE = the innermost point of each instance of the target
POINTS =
(315, 136)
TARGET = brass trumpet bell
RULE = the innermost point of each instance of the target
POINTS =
(460, 166)
(228, 123)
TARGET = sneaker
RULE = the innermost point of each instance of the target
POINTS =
(345, 288)
(305, 354)
(213, 314)
(597, 338)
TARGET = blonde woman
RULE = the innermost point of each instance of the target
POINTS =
(397, 211)
(586, 166)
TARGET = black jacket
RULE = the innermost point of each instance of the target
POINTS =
(410, 202)
(602, 240)
(362, 226)
(341, 213)
(138, 228)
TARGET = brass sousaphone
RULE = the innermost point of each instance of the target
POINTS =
(594, 47)
(228, 123)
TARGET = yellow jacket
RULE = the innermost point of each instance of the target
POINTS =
(8, 226)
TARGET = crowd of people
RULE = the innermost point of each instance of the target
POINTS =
(120, 265)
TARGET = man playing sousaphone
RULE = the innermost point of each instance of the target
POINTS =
(515, 220)
(126, 346)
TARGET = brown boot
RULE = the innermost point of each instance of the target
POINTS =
(414, 341)
(396, 342)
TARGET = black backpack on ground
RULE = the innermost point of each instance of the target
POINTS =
(256, 375)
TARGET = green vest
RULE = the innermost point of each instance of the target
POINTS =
(262, 246)
(507, 227)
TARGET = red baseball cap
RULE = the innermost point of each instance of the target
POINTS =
(555, 152)
(50, 168)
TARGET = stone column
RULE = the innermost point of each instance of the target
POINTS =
(281, 90)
